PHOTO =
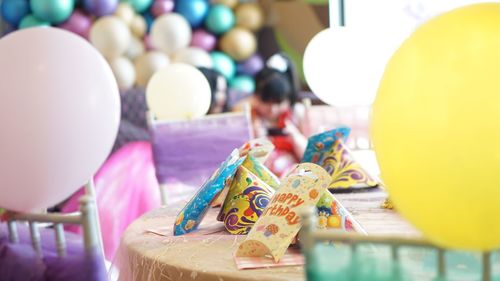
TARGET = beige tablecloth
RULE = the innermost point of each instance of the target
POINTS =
(148, 256)
(152, 257)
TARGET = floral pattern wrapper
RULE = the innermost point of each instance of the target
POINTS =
(245, 202)
(346, 172)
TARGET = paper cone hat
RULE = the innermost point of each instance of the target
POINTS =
(245, 202)
(260, 149)
(192, 214)
(346, 172)
(261, 171)
(258, 169)
(280, 222)
(319, 145)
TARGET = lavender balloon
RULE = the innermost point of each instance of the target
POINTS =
(251, 66)
(161, 7)
(78, 23)
(100, 7)
(204, 40)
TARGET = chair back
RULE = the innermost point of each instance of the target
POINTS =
(335, 255)
(86, 217)
(189, 151)
(320, 118)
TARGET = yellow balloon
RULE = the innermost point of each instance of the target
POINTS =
(239, 43)
(435, 128)
(229, 3)
(249, 15)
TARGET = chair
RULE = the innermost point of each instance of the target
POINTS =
(64, 257)
(189, 151)
(334, 255)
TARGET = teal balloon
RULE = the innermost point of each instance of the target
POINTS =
(32, 21)
(243, 83)
(224, 64)
(220, 19)
(52, 11)
(139, 5)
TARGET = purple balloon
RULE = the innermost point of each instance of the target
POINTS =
(100, 7)
(204, 40)
(161, 7)
(78, 23)
(251, 66)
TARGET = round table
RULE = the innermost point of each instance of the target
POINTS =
(149, 251)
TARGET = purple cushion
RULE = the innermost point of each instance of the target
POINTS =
(20, 262)
(89, 266)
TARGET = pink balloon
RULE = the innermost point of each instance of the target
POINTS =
(59, 115)
(78, 23)
(148, 43)
(204, 40)
(160, 7)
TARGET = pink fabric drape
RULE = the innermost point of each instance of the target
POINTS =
(126, 188)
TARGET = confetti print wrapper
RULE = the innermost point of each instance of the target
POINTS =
(332, 215)
(280, 222)
(318, 146)
(245, 202)
(194, 211)
(347, 174)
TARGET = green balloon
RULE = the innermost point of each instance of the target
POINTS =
(52, 11)
(224, 64)
(220, 19)
(32, 21)
(139, 5)
(243, 83)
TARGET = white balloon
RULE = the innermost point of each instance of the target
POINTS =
(148, 64)
(124, 72)
(343, 66)
(111, 36)
(135, 49)
(178, 92)
(170, 33)
(193, 56)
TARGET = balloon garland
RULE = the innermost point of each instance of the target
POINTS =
(140, 37)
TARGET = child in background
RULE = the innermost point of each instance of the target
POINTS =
(218, 88)
(275, 112)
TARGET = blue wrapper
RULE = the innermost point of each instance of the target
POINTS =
(191, 216)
